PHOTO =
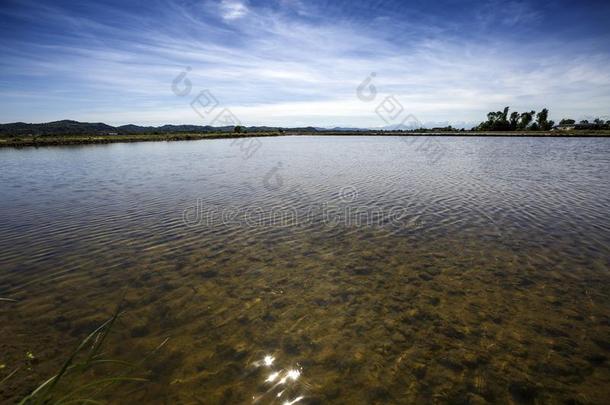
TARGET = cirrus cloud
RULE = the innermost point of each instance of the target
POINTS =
(233, 9)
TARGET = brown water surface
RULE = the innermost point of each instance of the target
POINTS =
(341, 270)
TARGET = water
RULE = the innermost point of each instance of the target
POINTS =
(320, 269)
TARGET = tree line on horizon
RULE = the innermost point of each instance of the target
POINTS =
(531, 121)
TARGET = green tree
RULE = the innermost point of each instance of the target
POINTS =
(567, 121)
(504, 115)
(525, 120)
(529, 120)
(502, 123)
(542, 119)
(496, 121)
(238, 129)
(514, 121)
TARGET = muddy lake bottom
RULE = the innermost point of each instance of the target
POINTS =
(491, 286)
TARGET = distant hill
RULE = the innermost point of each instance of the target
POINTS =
(415, 125)
(67, 127)
(339, 129)
(169, 129)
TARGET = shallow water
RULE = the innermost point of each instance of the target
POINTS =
(359, 269)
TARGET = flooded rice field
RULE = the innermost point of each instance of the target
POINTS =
(311, 270)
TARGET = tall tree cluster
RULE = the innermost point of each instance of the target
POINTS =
(530, 120)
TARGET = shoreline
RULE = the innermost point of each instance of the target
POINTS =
(65, 140)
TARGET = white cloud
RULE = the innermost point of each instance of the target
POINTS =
(286, 71)
(233, 9)
(508, 13)
(297, 6)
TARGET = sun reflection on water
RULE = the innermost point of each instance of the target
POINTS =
(268, 360)
(284, 382)
(272, 377)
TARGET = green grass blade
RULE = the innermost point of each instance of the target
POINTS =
(83, 401)
(9, 376)
(102, 381)
(100, 339)
(52, 382)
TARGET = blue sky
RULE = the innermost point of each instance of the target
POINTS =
(297, 62)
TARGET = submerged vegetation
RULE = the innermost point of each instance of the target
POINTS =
(87, 374)
(491, 287)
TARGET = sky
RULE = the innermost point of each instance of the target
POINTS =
(297, 63)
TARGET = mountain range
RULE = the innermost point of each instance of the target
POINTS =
(69, 127)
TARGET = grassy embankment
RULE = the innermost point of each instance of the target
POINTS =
(51, 140)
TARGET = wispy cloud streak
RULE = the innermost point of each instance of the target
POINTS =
(289, 63)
